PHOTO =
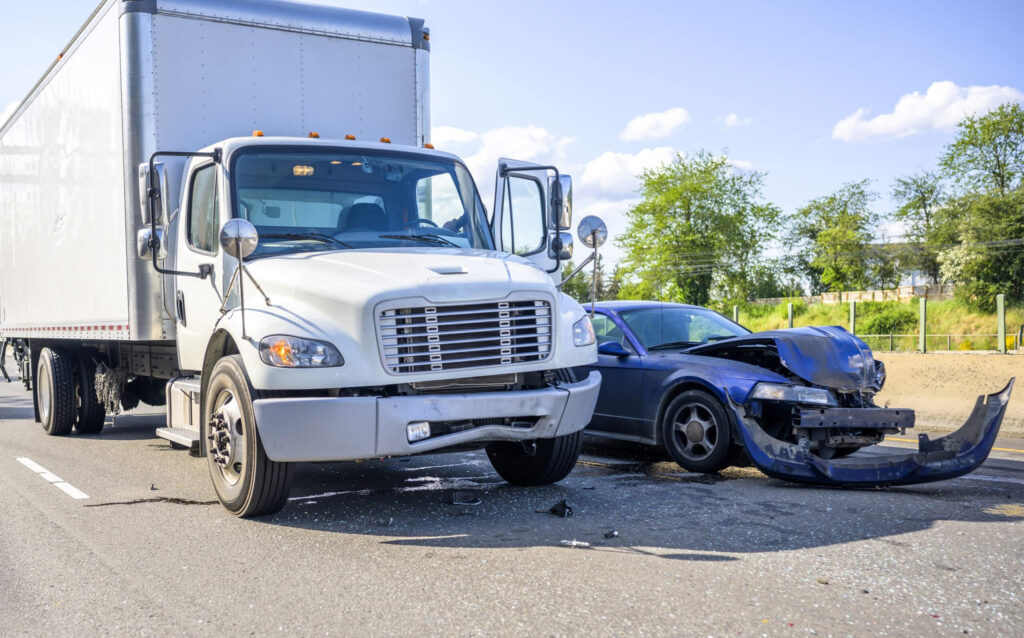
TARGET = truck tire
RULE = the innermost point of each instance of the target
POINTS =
(697, 434)
(55, 391)
(246, 481)
(550, 461)
(91, 414)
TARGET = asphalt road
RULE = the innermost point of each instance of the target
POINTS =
(374, 548)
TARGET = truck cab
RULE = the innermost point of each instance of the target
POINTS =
(374, 311)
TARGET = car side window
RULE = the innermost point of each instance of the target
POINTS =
(202, 212)
(606, 330)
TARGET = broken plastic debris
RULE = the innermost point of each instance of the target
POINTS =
(561, 509)
(612, 534)
(576, 544)
(463, 497)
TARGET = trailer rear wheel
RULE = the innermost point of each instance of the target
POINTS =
(91, 414)
(55, 391)
(247, 482)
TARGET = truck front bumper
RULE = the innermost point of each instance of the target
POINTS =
(353, 428)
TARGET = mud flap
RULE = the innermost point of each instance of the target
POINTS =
(947, 457)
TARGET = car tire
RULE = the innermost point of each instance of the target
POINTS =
(550, 460)
(55, 391)
(247, 482)
(91, 415)
(697, 434)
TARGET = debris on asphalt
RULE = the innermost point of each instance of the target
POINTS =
(152, 487)
(463, 497)
(822, 581)
(562, 509)
(611, 534)
(576, 544)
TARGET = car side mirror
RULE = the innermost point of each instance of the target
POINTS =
(612, 348)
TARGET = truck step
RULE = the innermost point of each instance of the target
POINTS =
(185, 437)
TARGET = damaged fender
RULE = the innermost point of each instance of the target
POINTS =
(946, 457)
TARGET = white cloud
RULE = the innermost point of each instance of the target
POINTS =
(526, 143)
(444, 136)
(731, 120)
(653, 126)
(8, 111)
(617, 174)
(940, 108)
(741, 165)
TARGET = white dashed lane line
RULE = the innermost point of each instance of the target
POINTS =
(57, 481)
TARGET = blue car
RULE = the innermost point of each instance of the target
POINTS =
(799, 402)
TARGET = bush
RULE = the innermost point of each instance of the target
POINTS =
(879, 319)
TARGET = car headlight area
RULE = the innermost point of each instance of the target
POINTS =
(792, 393)
(283, 351)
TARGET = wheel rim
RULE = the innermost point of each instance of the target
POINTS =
(45, 398)
(227, 438)
(696, 431)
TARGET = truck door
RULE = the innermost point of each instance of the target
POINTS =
(531, 213)
(197, 301)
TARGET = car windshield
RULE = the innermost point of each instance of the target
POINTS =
(306, 200)
(673, 326)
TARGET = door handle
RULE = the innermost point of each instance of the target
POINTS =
(179, 306)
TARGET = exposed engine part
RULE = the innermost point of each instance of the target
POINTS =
(110, 383)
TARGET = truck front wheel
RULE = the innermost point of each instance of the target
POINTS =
(55, 391)
(544, 462)
(247, 482)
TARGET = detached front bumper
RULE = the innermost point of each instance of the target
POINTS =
(353, 428)
(944, 458)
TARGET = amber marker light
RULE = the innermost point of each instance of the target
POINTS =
(385, 140)
(314, 135)
(283, 351)
(257, 133)
(350, 137)
(428, 145)
(300, 170)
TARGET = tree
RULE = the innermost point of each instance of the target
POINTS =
(930, 226)
(988, 152)
(697, 233)
(830, 238)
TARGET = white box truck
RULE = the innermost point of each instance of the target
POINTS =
(232, 208)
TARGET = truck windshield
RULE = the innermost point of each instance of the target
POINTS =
(303, 201)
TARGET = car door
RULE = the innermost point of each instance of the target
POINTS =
(619, 410)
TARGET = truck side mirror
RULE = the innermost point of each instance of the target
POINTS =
(560, 246)
(592, 232)
(160, 203)
(561, 202)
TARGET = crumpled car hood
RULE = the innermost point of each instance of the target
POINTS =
(826, 356)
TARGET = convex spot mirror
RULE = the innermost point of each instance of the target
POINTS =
(592, 231)
(560, 246)
(561, 213)
(239, 238)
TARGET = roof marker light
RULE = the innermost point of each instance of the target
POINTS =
(257, 133)
(313, 135)
(385, 140)
(350, 137)
(428, 145)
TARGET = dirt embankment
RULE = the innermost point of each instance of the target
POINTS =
(942, 387)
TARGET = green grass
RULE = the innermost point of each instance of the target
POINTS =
(885, 317)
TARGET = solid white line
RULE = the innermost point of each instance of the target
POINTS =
(57, 481)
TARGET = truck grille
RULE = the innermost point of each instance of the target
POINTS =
(458, 337)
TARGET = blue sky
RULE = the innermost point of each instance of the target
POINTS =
(561, 81)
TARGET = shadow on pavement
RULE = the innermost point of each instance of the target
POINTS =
(655, 508)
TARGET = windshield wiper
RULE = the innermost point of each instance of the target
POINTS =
(430, 239)
(672, 344)
(316, 236)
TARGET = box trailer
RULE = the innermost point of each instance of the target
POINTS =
(233, 209)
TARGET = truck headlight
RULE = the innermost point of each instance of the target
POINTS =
(282, 351)
(583, 332)
(792, 393)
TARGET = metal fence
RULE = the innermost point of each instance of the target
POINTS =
(940, 342)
